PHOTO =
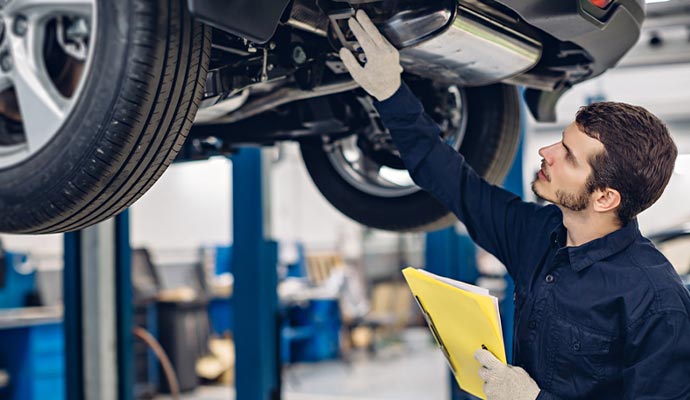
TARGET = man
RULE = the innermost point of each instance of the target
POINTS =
(599, 312)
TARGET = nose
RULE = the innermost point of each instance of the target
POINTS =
(546, 153)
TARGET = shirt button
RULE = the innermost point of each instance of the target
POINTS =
(532, 324)
(549, 278)
(576, 346)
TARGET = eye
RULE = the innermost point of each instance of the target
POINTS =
(571, 158)
(568, 154)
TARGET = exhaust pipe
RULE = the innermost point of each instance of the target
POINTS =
(441, 40)
(472, 49)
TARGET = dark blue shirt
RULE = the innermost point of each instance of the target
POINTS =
(605, 320)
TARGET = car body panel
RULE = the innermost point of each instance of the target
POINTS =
(255, 20)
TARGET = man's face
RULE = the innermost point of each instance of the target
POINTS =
(565, 169)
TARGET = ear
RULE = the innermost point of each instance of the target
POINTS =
(606, 200)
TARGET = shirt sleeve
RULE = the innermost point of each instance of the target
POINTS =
(658, 357)
(496, 219)
(544, 395)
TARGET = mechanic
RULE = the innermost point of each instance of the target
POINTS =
(599, 312)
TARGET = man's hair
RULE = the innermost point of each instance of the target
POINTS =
(638, 158)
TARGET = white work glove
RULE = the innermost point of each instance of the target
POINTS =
(504, 382)
(380, 76)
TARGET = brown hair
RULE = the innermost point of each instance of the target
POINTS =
(638, 158)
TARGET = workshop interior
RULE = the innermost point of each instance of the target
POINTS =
(197, 201)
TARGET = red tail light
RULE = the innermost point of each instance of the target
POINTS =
(601, 3)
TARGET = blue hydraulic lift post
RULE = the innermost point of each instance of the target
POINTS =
(123, 301)
(74, 360)
(255, 299)
(452, 255)
(76, 328)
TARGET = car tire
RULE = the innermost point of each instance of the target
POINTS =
(138, 100)
(489, 145)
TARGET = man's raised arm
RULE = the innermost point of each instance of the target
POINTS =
(495, 218)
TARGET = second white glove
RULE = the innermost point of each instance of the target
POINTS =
(505, 382)
(380, 75)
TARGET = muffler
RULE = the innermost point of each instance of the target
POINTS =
(445, 40)
(472, 50)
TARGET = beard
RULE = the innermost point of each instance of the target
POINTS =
(572, 201)
(540, 198)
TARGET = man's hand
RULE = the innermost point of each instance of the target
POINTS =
(380, 76)
(504, 382)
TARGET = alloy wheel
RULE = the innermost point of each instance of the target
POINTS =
(45, 54)
(354, 160)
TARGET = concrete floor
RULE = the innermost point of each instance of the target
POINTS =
(410, 370)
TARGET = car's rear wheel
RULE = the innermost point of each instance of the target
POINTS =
(364, 178)
(96, 98)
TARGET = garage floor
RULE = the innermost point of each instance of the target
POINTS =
(412, 369)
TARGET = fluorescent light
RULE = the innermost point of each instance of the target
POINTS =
(656, 1)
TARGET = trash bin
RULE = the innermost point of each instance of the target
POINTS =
(183, 332)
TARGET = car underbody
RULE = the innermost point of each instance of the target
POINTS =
(97, 98)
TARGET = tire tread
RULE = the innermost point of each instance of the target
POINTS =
(154, 112)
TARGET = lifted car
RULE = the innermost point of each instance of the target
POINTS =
(98, 97)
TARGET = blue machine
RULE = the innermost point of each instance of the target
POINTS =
(299, 267)
(16, 286)
(33, 356)
(220, 310)
(31, 340)
(223, 259)
(311, 331)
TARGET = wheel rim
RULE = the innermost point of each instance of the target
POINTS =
(45, 55)
(368, 176)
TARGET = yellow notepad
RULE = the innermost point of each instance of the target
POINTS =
(462, 318)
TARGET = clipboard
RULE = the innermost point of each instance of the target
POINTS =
(462, 318)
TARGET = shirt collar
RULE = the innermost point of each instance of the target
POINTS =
(587, 254)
